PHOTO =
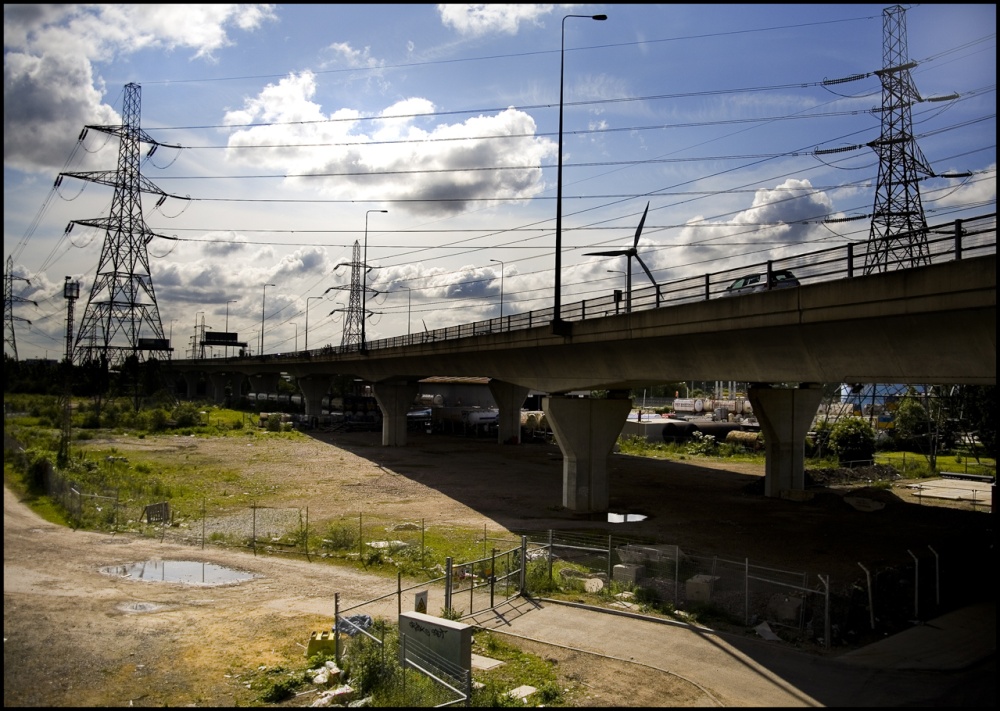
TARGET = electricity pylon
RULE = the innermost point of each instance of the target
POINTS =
(355, 311)
(9, 299)
(121, 318)
(898, 237)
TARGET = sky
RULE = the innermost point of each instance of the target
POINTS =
(428, 136)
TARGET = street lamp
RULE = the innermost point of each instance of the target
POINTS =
(501, 288)
(296, 337)
(308, 298)
(262, 298)
(409, 293)
(195, 352)
(364, 285)
(560, 327)
(233, 301)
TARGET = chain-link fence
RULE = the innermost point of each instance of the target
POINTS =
(884, 597)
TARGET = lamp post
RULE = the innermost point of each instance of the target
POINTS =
(308, 299)
(409, 293)
(560, 327)
(262, 298)
(233, 301)
(296, 337)
(501, 289)
(195, 351)
(364, 285)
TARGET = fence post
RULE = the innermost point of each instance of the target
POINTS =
(399, 592)
(447, 584)
(493, 575)
(610, 566)
(916, 585)
(336, 627)
(203, 523)
(305, 537)
(677, 572)
(361, 537)
(550, 555)
(253, 508)
(522, 575)
(826, 612)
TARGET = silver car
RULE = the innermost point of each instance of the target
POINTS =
(757, 281)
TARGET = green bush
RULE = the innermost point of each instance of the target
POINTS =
(853, 440)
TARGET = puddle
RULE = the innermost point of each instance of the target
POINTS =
(625, 518)
(178, 571)
(140, 607)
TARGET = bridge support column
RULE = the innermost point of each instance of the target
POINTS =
(586, 430)
(191, 380)
(785, 415)
(314, 388)
(509, 399)
(218, 382)
(394, 399)
(264, 383)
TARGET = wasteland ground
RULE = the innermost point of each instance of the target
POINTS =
(76, 637)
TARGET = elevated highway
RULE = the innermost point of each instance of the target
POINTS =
(933, 324)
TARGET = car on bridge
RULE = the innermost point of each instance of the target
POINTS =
(758, 281)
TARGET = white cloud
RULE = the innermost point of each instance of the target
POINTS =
(50, 86)
(413, 162)
(478, 20)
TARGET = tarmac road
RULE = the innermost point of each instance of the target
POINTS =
(949, 661)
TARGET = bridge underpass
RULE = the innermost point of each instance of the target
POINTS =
(930, 325)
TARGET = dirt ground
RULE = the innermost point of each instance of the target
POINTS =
(74, 636)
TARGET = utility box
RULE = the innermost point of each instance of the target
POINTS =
(699, 588)
(321, 642)
(628, 573)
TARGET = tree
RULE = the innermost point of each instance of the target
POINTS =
(853, 440)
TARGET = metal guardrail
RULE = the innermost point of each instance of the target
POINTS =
(951, 241)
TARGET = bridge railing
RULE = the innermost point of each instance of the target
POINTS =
(950, 241)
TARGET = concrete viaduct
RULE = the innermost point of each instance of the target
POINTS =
(933, 324)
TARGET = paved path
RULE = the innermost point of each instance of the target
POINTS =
(958, 648)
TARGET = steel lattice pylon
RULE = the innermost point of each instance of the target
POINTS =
(352, 320)
(9, 299)
(121, 318)
(898, 237)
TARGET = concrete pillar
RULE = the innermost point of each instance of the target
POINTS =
(191, 380)
(586, 430)
(314, 388)
(264, 383)
(785, 416)
(394, 399)
(217, 384)
(509, 399)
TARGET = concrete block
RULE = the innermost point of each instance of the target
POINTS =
(699, 588)
(628, 572)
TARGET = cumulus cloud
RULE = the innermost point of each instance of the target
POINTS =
(51, 89)
(437, 167)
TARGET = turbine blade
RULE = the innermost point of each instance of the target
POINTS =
(616, 253)
(646, 269)
(638, 230)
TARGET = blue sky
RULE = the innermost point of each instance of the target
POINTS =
(298, 121)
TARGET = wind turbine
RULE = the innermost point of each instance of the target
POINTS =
(631, 252)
